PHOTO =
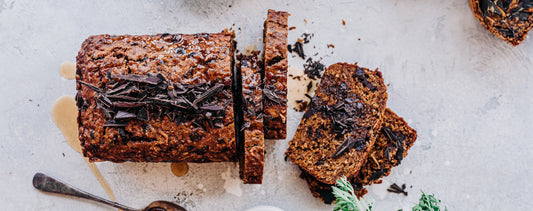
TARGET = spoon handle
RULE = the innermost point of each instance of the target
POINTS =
(48, 184)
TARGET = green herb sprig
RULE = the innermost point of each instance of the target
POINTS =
(346, 198)
(348, 201)
(428, 203)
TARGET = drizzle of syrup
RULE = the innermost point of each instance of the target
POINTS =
(64, 115)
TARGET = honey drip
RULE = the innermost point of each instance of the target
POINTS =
(64, 115)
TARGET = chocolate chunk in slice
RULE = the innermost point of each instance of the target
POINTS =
(341, 123)
(275, 75)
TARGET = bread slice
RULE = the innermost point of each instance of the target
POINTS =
(250, 134)
(393, 141)
(275, 75)
(339, 127)
(508, 20)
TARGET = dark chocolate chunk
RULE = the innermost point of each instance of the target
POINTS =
(124, 115)
(309, 86)
(91, 86)
(271, 94)
(313, 69)
(209, 93)
(399, 143)
(394, 188)
(307, 37)
(377, 174)
(360, 74)
(154, 80)
(212, 107)
(298, 49)
(310, 111)
(348, 144)
(142, 114)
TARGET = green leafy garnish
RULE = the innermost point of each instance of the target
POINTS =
(428, 203)
(348, 201)
(346, 198)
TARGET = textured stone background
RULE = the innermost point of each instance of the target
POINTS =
(466, 92)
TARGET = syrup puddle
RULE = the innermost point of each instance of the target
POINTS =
(67, 70)
(64, 115)
(249, 49)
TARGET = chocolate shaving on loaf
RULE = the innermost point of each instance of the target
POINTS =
(349, 143)
(148, 96)
(271, 93)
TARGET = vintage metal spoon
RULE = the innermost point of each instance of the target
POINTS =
(48, 184)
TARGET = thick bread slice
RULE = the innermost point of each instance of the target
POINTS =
(339, 127)
(394, 139)
(251, 130)
(275, 74)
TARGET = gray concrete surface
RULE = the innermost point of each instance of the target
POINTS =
(466, 92)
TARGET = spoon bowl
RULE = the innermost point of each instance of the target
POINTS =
(163, 206)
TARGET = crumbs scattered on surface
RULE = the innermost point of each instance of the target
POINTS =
(343, 22)
(231, 183)
(292, 28)
(183, 198)
(201, 187)
(331, 46)
(307, 37)
(300, 86)
(297, 47)
(248, 49)
(313, 69)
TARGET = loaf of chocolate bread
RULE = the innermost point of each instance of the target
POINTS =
(275, 75)
(340, 126)
(154, 98)
(251, 136)
(392, 143)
